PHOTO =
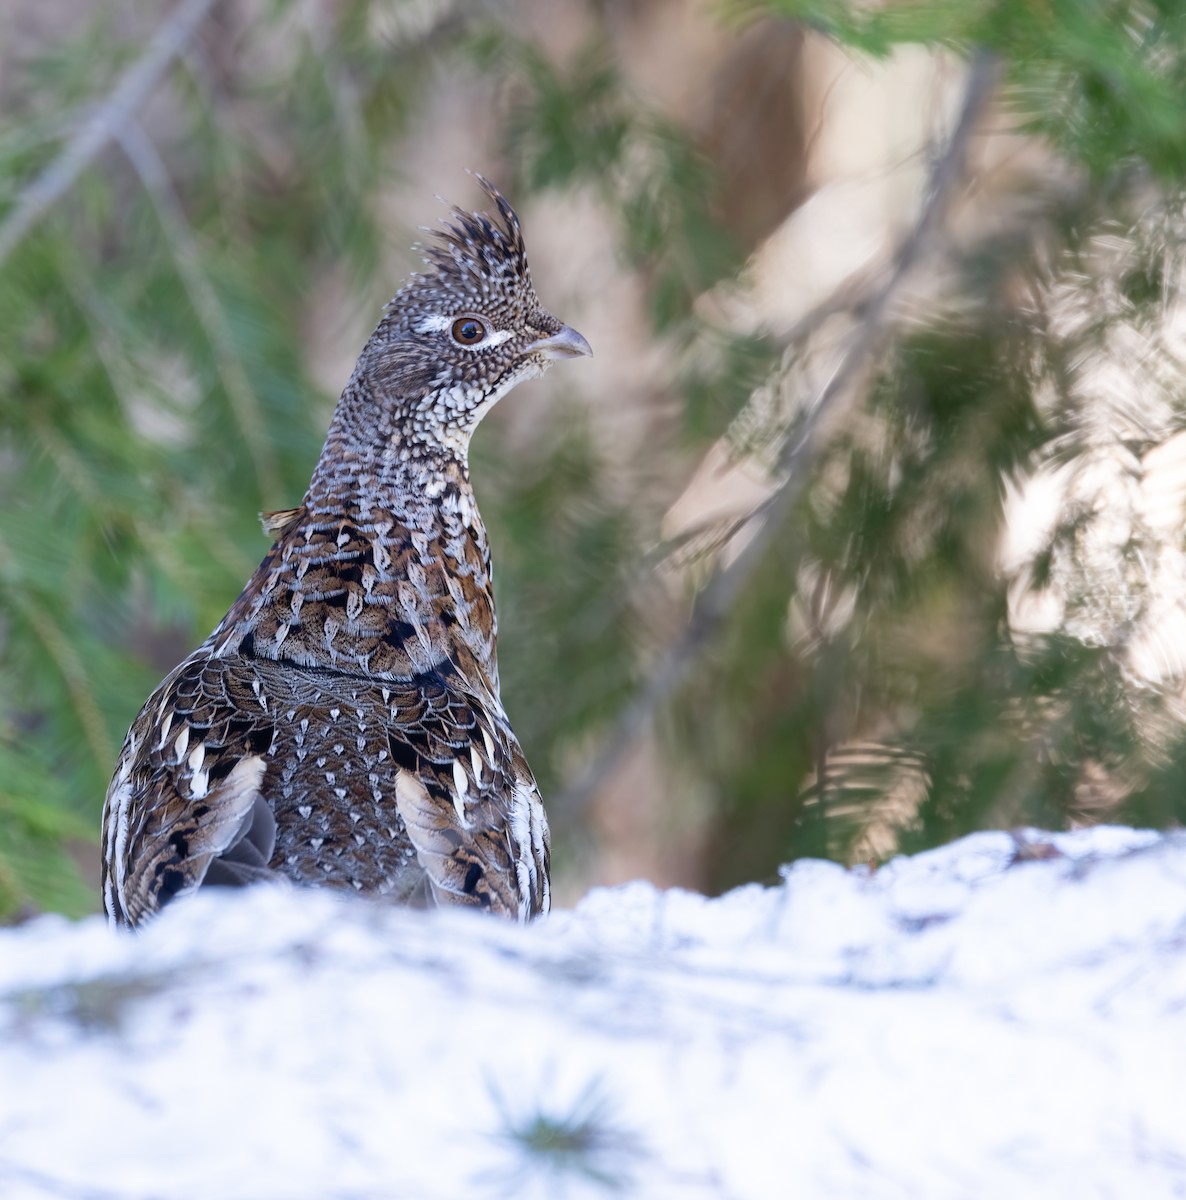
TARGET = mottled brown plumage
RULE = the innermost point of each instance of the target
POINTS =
(342, 724)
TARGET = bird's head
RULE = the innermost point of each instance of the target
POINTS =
(458, 337)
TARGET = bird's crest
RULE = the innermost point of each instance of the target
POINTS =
(473, 252)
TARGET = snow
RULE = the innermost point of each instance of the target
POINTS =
(1002, 1017)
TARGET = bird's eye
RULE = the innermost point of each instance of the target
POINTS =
(468, 331)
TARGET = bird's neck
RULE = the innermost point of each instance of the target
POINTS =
(410, 477)
(391, 442)
(385, 461)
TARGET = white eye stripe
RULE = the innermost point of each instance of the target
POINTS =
(435, 324)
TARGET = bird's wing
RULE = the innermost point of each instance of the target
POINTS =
(186, 801)
(468, 800)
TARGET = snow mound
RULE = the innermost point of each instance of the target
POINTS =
(1000, 1017)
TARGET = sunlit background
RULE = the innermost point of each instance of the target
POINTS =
(971, 616)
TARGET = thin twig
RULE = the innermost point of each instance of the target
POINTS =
(183, 246)
(103, 124)
(719, 595)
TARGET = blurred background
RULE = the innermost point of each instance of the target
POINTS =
(737, 626)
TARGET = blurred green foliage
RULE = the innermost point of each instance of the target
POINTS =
(1104, 79)
(154, 396)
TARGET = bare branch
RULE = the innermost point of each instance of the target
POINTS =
(103, 124)
(721, 592)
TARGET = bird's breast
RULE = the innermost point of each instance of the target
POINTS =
(374, 594)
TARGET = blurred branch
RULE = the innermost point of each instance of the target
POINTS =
(721, 592)
(104, 124)
(153, 175)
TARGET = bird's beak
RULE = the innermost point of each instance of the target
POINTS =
(565, 343)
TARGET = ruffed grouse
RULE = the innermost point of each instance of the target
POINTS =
(342, 725)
